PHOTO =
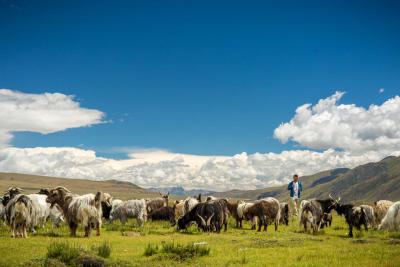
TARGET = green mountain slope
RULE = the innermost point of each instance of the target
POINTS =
(366, 183)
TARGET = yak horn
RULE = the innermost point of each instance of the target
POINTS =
(62, 188)
(15, 188)
(209, 220)
(203, 222)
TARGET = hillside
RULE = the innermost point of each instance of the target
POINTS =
(367, 183)
(31, 184)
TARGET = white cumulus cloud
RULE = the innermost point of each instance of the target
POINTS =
(351, 128)
(41, 113)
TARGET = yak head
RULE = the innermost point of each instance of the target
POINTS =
(205, 223)
(5, 200)
(358, 217)
(183, 222)
(44, 191)
(333, 203)
(165, 197)
(57, 196)
(13, 191)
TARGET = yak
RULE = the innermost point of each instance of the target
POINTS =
(209, 216)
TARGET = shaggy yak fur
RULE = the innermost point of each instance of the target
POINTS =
(19, 212)
(267, 210)
(242, 210)
(285, 213)
(209, 216)
(355, 216)
(326, 219)
(163, 214)
(85, 209)
(391, 221)
(380, 209)
(312, 212)
(154, 204)
(370, 215)
(233, 211)
(135, 208)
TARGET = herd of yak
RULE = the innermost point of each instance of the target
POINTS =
(25, 212)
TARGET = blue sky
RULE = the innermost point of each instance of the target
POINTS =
(205, 77)
(196, 77)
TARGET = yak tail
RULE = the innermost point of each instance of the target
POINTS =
(278, 215)
(364, 219)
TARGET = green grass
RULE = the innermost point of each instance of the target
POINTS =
(158, 244)
(63, 251)
(103, 250)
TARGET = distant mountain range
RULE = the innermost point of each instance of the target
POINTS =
(365, 183)
(180, 191)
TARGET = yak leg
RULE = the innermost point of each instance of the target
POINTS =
(265, 224)
(350, 230)
(13, 230)
(24, 234)
(122, 220)
(97, 228)
(72, 227)
(260, 221)
(87, 230)
(88, 227)
(226, 224)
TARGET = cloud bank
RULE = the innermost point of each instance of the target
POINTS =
(214, 172)
(345, 135)
(41, 113)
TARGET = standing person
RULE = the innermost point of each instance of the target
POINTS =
(295, 189)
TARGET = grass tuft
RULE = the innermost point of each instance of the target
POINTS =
(150, 250)
(103, 250)
(395, 235)
(63, 251)
(177, 252)
(184, 252)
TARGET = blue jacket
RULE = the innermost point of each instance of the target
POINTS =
(291, 189)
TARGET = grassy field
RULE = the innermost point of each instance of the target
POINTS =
(236, 247)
